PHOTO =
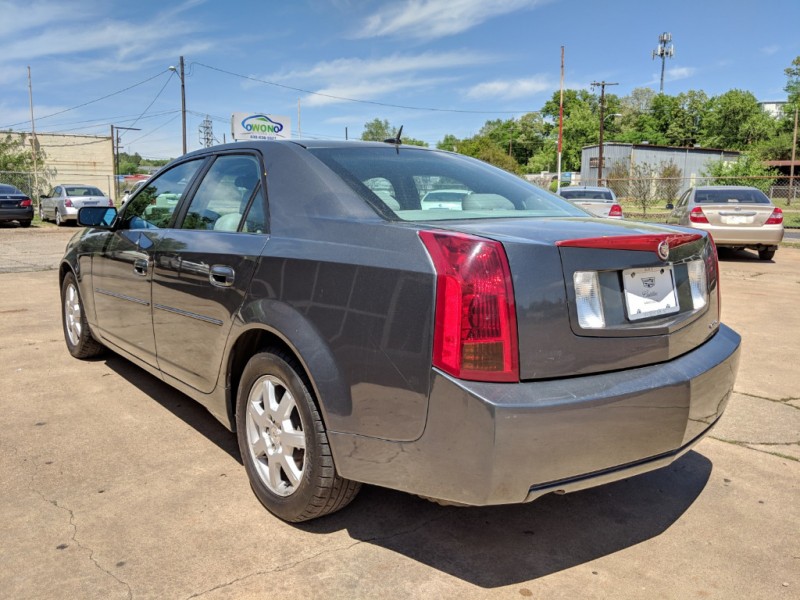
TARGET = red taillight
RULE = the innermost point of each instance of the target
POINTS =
(616, 211)
(25, 203)
(67, 202)
(697, 215)
(776, 218)
(712, 263)
(475, 325)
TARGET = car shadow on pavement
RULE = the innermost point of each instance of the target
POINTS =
(179, 404)
(498, 546)
(745, 256)
(486, 546)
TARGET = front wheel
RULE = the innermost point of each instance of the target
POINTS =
(80, 342)
(41, 212)
(283, 442)
(59, 220)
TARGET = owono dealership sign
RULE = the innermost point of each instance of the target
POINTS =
(258, 126)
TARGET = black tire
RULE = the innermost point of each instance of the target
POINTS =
(59, 221)
(24, 223)
(80, 342)
(766, 254)
(318, 490)
(41, 213)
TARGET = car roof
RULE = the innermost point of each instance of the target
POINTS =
(726, 187)
(590, 188)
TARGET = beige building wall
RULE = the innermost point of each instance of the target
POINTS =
(86, 159)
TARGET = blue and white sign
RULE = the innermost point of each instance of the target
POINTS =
(260, 126)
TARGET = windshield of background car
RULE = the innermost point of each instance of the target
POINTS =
(83, 191)
(730, 196)
(587, 195)
(402, 180)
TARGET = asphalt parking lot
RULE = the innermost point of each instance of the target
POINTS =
(116, 486)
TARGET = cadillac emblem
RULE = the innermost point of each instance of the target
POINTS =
(663, 250)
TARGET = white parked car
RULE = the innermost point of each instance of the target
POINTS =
(63, 202)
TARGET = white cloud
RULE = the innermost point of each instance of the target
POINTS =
(513, 88)
(368, 89)
(344, 68)
(770, 50)
(431, 19)
(676, 73)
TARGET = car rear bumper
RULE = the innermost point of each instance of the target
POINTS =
(490, 443)
(16, 214)
(766, 235)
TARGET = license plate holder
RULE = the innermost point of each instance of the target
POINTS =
(650, 292)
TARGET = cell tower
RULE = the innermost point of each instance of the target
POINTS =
(665, 50)
(206, 131)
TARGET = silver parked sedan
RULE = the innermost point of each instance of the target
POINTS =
(64, 201)
(599, 201)
(736, 216)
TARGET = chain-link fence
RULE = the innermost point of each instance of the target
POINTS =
(648, 192)
(40, 184)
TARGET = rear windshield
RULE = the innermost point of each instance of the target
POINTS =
(423, 185)
(730, 196)
(588, 195)
(83, 191)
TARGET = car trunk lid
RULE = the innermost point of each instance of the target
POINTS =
(739, 215)
(544, 256)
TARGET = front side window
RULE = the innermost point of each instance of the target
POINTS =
(224, 194)
(154, 205)
(428, 185)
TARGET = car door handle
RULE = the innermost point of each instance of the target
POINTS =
(221, 275)
(140, 267)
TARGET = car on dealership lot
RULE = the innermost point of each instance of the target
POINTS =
(126, 195)
(485, 355)
(444, 198)
(15, 205)
(736, 216)
(599, 201)
(62, 203)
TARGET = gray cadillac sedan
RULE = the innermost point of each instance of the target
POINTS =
(485, 353)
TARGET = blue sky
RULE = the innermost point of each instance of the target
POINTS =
(476, 59)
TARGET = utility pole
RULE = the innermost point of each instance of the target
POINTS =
(183, 100)
(602, 85)
(560, 125)
(665, 50)
(794, 154)
(35, 187)
(115, 146)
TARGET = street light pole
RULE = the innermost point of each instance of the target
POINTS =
(602, 85)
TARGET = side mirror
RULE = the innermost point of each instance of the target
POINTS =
(669, 206)
(97, 216)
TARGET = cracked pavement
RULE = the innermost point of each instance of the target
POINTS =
(116, 486)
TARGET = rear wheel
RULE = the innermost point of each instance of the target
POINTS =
(283, 442)
(25, 223)
(766, 254)
(80, 342)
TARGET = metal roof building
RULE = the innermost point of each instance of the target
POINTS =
(691, 161)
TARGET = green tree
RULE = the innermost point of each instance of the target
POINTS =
(379, 130)
(642, 187)
(17, 161)
(735, 120)
(747, 170)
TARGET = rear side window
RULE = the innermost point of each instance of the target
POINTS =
(748, 196)
(223, 195)
(424, 185)
(587, 195)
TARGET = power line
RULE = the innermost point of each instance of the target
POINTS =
(372, 102)
(153, 101)
(58, 112)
